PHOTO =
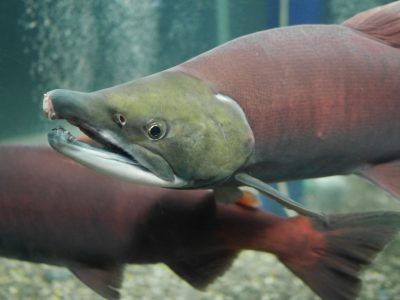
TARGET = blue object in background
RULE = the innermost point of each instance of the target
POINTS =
(272, 13)
(306, 12)
(300, 12)
(295, 189)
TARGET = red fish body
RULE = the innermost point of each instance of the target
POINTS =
(54, 211)
(320, 99)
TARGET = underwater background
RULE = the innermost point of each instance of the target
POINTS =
(93, 44)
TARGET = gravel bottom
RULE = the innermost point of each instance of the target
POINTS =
(253, 276)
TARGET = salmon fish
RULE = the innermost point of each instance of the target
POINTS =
(288, 103)
(57, 212)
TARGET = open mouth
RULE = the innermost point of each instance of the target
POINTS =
(107, 151)
(59, 138)
(101, 141)
(104, 156)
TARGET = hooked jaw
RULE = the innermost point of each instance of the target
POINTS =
(114, 157)
(48, 108)
(66, 104)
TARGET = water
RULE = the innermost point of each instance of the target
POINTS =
(88, 45)
(85, 45)
(95, 44)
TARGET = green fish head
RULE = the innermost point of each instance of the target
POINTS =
(170, 124)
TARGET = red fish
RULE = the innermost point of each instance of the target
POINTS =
(54, 211)
(288, 103)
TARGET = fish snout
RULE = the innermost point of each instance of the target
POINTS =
(65, 104)
(48, 108)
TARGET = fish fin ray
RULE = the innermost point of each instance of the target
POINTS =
(386, 176)
(202, 270)
(351, 241)
(104, 281)
(383, 23)
(274, 194)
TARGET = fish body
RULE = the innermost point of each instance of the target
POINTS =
(320, 99)
(289, 103)
(57, 212)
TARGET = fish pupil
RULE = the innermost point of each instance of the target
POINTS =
(155, 131)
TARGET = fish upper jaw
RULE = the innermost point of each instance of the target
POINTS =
(70, 105)
(48, 108)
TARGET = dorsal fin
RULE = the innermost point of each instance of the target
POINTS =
(382, 22)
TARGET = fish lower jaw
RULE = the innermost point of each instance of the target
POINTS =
(109, 163)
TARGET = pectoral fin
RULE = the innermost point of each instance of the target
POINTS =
(248, 199)
(236, 195)
(386, 176)
(106, 282)
(274, 194)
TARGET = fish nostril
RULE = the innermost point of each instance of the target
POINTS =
(119, 119)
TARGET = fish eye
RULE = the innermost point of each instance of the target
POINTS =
(119, 119)
(156, 130)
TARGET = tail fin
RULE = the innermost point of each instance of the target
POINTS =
(348, 243)
(382, 22)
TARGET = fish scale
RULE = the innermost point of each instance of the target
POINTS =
(301, 93)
